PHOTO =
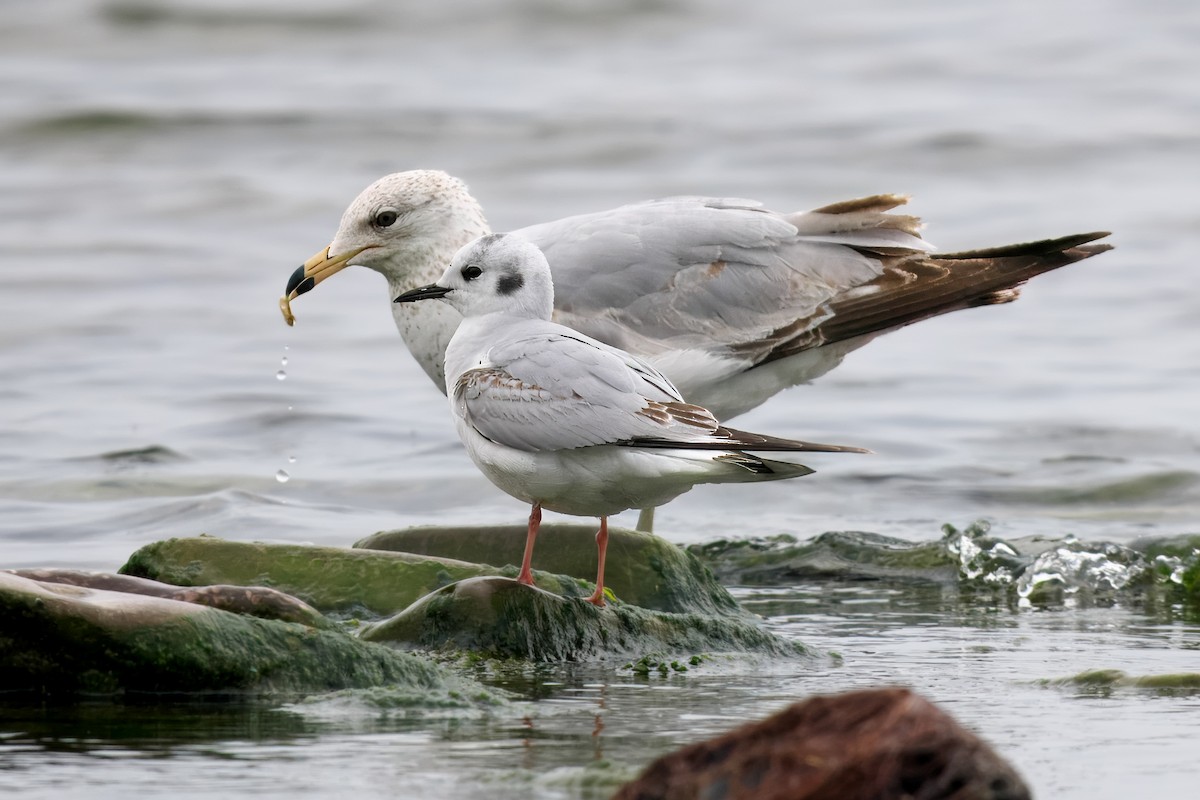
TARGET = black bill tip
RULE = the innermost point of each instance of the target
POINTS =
(430, 292)
(298, 284)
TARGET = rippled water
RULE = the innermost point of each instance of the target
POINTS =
(165, 165)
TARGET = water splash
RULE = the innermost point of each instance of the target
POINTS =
(1079, 569)
(1170, 568)
(982, 557)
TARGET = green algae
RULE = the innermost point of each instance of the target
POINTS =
(836, 554)
(1182, 546)
(1115, 678)
(641, 569)
(333, 580)
(499, 618)
(60, 643)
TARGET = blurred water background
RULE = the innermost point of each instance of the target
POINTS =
(166, 164)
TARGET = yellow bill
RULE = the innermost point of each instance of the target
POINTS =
(309, 274)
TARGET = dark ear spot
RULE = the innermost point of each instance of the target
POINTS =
(510, 282)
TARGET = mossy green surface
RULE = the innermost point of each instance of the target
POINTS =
(59, 642)
(641, 569)
(1182, 546)
(1114, 678)
(500, 618)
(331, 579)
(838, 554)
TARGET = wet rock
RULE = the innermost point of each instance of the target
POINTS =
(1175, 561)
(257, 601)
(1114, 678)
(877, 744)
(334, 580)
(837, 554)
(501, 618)
(641, 569)
(59, 641)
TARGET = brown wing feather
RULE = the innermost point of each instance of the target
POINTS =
(913, 289)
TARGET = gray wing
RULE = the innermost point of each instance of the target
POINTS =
(716, 274)
(560, 390)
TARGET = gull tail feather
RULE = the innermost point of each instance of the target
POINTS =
(919, 288)
(752, 468)
(734, 440)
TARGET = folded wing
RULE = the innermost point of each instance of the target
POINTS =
(558, 390)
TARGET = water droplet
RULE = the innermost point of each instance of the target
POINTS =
(291, 459)
(289, 408)
(282, 476)
(283, 361)
(281, 376)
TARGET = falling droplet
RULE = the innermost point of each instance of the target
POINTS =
(291, 459)
(289, 408)
(281, 376)
(283, 361)
(282, 476)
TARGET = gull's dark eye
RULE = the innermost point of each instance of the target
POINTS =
(386, 218)
(471, 272)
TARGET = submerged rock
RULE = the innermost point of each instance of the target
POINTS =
(60, 640)
(837, 554)
(1028, 570)
(501, 618)
(866, 745)
(642, 569)
(1115, 678)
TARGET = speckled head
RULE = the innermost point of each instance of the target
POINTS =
(405, 226)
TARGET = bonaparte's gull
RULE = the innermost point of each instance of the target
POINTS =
(566, 422)
(732, 301)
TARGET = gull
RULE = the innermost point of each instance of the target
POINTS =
(732, 301)
(565, 422)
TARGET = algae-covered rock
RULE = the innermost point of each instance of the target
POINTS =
(332, 579)
(838, 554)
(1115, 678)
(59, 640)
(1181, 546)
(641, 569)
(1176, 562)
(501, 618)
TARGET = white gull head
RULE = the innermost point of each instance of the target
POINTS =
(495, 274)
(402, 221)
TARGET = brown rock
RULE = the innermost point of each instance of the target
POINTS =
(877, 744)
(256, 601)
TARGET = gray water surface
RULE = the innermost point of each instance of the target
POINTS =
(164, 166)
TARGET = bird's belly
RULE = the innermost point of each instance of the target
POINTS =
(588, 481)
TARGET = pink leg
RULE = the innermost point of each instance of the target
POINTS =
(597, 597)
(535, 522)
